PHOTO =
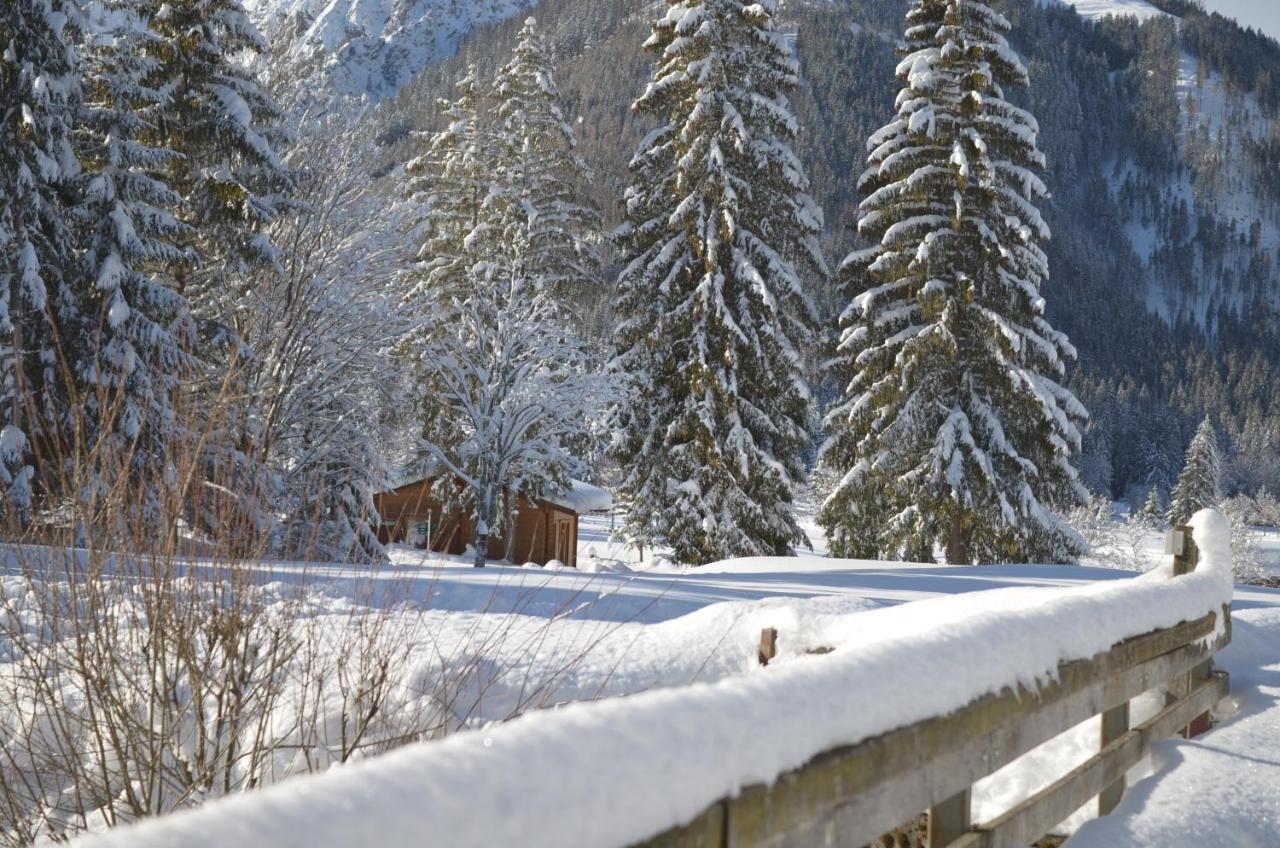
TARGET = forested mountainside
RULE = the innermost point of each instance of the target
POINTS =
(1164, 161)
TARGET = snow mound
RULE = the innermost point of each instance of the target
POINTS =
(672, 752)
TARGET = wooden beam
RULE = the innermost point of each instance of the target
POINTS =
(768, 645)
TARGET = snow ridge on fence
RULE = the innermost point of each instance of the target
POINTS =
(614, 772)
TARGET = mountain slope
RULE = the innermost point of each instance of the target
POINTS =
(371, 48)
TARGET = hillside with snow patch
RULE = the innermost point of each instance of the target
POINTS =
(1095, 9)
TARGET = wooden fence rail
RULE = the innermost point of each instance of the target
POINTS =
(853, 795)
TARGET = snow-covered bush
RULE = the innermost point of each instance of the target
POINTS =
(1244, 548)
(1093, 521)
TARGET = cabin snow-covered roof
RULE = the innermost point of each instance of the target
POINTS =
(583, 497)
(580, 498)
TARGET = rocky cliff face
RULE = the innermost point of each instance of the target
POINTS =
(369, 49)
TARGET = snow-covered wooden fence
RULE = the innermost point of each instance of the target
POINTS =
(852, 795)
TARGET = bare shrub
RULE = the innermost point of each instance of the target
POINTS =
(153, 656)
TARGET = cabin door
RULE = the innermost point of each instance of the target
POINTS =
(564, 538)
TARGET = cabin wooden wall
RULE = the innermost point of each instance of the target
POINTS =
(543, 532)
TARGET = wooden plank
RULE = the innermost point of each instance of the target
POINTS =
(950, 819)
(1115, 723)
(860, 792)
(1040, 813)
(706, 831)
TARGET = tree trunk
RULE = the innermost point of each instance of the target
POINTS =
(512, 504)
(957, 546)
(484, 515)
(482, 544)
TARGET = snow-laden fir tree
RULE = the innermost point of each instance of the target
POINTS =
(542, 173)
(450, 180)
(953, 430)
(1152, 513)
(133, 358)
(229, 175)
(39, 97)
(1199, 485)
(233, 185)
(498, 374)
(720, 240)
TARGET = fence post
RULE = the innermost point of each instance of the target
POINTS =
(949, 820)
(1115, 723)
(1186, 556)
(768, 645)
(1181, 543)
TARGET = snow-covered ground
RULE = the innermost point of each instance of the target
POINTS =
(567, 635)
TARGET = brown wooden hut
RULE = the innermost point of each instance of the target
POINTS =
(547, 530)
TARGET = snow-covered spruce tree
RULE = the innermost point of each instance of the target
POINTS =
(450, 182)
(233, 185)
(1152, 514)
(136, 352)
(39, 97)
(501, 382)
(721, 235)
(953, 430)
(1199, 485)
(229, 175)
(543, 175)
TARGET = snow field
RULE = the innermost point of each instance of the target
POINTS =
(673, 751)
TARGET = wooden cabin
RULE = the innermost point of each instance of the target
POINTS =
(545, 531)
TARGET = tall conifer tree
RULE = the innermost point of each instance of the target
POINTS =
(1199, 485)
(721, 234)
(233, 184)
(136, 351)
(229, 175)
(450, 180)
(39, 97)
(954, 430)
(542, 173)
